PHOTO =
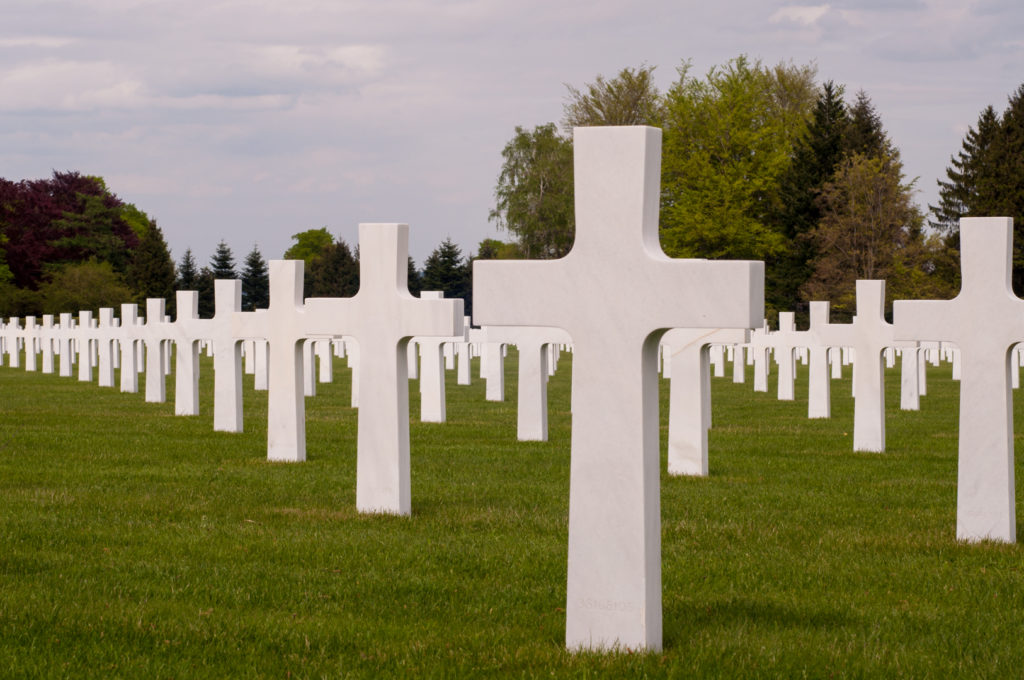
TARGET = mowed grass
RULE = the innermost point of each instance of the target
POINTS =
(139, 544)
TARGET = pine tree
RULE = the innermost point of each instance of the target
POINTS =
(957, 196)
(204, 286)
(414, 278)
(864, 132)
(815, 158)
(447, 271)
(188, 275)
(222, 264)
(255, 282)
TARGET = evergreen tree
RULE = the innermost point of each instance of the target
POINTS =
(255, 282)
(414, 279)
(333, 273)
(816, 156)
(222, 264)
(446, 270)
(987, 179)
(188, 275)
(864, 132)
(151, 272)
(204, 286)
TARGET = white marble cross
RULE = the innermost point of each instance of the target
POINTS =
(532, 386)
(868, 335)
(65, 335)
(106, 340)
(616, 272)
(186, 331)
(282, 325)
(128, 339)
(382, 317)
(84, 337)
(154, 333)
(819, 383)
(31, 335)
(46, 339)
(985, 320)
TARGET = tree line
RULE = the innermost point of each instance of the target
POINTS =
(68, 243)
(758, 162)
(763, 162)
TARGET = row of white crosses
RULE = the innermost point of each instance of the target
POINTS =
(608, 297)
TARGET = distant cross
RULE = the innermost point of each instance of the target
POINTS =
(65, 337)
(282, 325)
(819, 383)
(382, 317)
(85, 335)
(154, 333)
(106, 340)
(868, 335)
(985, 320)
(186, 331)
(31, 335)
(129, 334)
(13, 337)
(532, 386)
(46, 339)
(615, 293)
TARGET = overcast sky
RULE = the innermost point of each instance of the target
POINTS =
(251, 120)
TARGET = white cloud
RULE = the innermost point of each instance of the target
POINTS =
(805, 15)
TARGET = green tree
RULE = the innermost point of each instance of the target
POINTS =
(187, 274)
(727, 140)
(796, 212)
(630, 98)
(151, 271)
(334, 273)
(222, 264)
(870, 229)
(309, 245)
(987, 179)
(534, 194)
(255, 281)
(446, 270)
(83, 286)
(414, 278)
(204, 285)
(493, 249)
(958, 195)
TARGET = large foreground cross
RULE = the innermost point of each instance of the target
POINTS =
(985, 320)
(615, 293)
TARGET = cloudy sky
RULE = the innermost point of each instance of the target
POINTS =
(250, 120)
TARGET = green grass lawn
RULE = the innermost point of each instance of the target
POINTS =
(138, 544)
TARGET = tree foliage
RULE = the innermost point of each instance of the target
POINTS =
(446, 270)
(986, 178)
(534, 194)
(255, 281)
(151, 271)
(83, 286)
(333, 273)
(309, 245)
(222, 263)
(727, 139)
(47, 225)
(870, 229)
(630, 98)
